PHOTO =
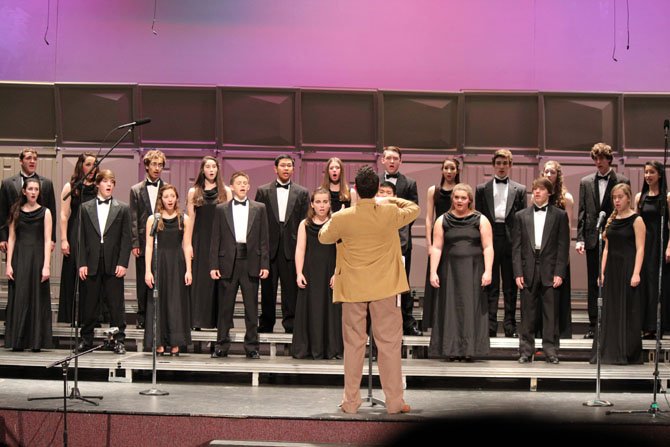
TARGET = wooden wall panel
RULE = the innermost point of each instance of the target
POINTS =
(643, 123)
(183, 116)
(27, 114)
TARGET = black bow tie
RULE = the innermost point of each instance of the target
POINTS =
(501, 180)
(26, 177)
(237, 202)
(105, 201)
(150, 183)
(279, 185)
(540, 208)
(603, 177)
(392, 175)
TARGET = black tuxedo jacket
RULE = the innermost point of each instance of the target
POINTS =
(516, 201)
(405, 188)
(222, 251)
(10, 193)
(589, 207)
(296, 211)
(116, 237)
(140, 210)
(555, 245)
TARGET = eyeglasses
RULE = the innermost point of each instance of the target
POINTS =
(156, 165)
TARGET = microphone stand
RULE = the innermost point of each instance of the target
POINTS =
(153, 391)
(75, 393)
(598, 402)
(654, 408)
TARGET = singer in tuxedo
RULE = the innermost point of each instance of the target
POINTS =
(238, 258)
(594, 197)
(105, 251)
(540, 250)
(499, 200)
(10, 192)
(405, 188)
(143, 199)
(286, 203)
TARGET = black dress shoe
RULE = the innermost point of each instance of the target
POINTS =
(413, 331)
(83, 346)
(492, 333)
(589, 334)
(553, 360)
(219, 353)
(119, 348)
(264, 330)
(253, 355)
(524, 359)
(511, 333)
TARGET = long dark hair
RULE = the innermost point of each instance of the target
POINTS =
(662, 187)
(199, 185)
(455, 161)
(309, 220)
(78, 173)
(160, 208)
(22, 200)
(557, 197)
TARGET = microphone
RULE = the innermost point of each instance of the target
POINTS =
(141, 122)
(601, 218)
(157, 218)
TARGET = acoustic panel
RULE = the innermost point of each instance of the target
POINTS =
(259, 118)
(495, 121)
(413, 120)
(644, 118)
(27, 113)
(577, 123)
(334, 118)
(89, 112)
(179, 116)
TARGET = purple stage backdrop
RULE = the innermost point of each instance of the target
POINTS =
(448, 45)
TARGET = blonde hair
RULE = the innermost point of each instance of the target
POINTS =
(344, 194)
(627, 192)
(466, 189)
(557, 197)
(160, 207)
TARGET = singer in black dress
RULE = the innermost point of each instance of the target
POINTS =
(463, 248)
(69, 214)
(174, 275)
(317, 329)
(621, 341)
(648, 204)
(28, 320)
(334, 181)
(439, 202)
(206, 193)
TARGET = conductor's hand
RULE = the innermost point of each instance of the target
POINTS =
(332, 281)
(215, 274)
(120, 271)
(264, 273)
(557, 282)
(519, 282)
(149, 279)
(435, 280)
(300, 279)
(83, 272)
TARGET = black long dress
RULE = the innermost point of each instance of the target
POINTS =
(621, 322)
(460, 322)
(651, 215)
(442, 204)
(69, 271)
(173, 322)
(203, 290)
(335, 202)
(317, 331)
(29, 304)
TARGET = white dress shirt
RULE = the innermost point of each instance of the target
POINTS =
(500, 191)
(393, 180)
(539, 218)
(282, 200)
(153, 196)
(103, 212)
(602, 185)
(241, 219)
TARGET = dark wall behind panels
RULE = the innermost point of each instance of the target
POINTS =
(339, 118)
(258, 117)
(179, 116)
(575, 123)
(643, 118)
(87, 112)
(27, 113)
(421, 121)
